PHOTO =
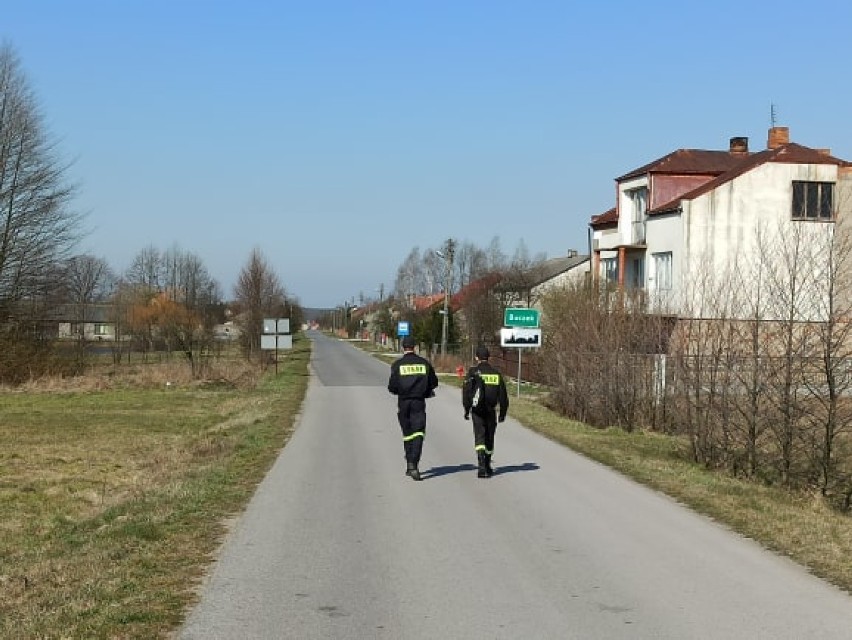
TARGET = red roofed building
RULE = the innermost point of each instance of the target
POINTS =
(697, 215)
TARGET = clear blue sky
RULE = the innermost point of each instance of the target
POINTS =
(337, 136)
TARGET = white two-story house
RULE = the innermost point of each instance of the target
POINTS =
(698, 213)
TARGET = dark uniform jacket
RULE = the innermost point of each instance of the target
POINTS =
(495, 388)
(412, 377)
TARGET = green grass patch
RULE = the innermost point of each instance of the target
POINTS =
(113, 502)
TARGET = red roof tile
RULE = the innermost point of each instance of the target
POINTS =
(427, 302)
(689, 161)
(789, 153)
(478, 286)
(606, 218)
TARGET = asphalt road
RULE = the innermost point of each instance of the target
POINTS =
(338, 543)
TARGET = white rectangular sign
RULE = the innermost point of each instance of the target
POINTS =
(270, 343)
(269, 325)
(520, 337)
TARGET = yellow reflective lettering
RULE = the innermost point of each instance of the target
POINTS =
(412, 370)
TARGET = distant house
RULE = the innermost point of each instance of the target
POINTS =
(93, 322)
(421, 303)
(571, 269)
(526, 287)
(697, 214)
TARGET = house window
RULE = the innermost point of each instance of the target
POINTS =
(663, 270)
(813, 200)
(101, 329)
(609, 266)
(639, 204)
(637, 279)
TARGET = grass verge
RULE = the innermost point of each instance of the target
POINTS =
(800, 526)
(113, 503)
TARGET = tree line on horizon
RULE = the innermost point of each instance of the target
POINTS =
(164, 300)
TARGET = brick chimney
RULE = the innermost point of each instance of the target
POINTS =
(739, 145)
(777, 137)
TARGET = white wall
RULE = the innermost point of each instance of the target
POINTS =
(665, 234)
(572, 277)
(625, 207)
(725, 231)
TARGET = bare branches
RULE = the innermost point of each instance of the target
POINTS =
(259, 293)
(37, 228)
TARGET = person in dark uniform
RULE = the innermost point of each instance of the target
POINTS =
(483, 391)
(412, 380)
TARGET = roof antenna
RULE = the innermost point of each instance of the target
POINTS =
(772, 119)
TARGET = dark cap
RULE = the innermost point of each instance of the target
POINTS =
(482, 352)
(408, 342)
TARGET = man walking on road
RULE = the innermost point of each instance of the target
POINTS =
(484, 389)
(412, 380)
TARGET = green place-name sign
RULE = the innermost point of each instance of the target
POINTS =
(521, 317)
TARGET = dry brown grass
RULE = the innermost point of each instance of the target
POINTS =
(115, 489)
(236, 373)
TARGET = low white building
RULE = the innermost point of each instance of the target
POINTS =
(565, 271)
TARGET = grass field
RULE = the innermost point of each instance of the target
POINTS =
(113, 501)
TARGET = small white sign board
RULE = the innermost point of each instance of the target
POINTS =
(270, 325)
(520, 337)
(276, 342)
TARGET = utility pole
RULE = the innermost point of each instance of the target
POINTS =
(448, 285)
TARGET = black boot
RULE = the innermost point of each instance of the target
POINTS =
(413, 472)
(482, 472)
(488, 468)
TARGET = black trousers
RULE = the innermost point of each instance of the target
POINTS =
(412, 421)
(484, 427)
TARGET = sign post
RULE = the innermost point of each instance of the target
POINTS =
(521, 317)
(521, 331)
(403, 328)
(276, 335)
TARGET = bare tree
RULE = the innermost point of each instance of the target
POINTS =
(831, 414)
(259, 293)
(409, 277)
(180, 277)
(434, 272)
(789, 287)
(470, 264)
(146, 270)
(747, 285)
(86, 280)
(495, 256)
(521, 276)
(37, 227)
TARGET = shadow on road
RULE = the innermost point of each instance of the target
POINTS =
(446, 470)
(512, 468)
